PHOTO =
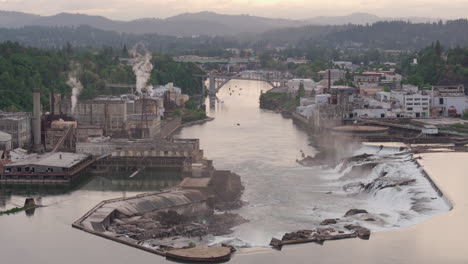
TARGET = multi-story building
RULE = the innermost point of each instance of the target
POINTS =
(368, 77)
(18, 125)
(417, 105)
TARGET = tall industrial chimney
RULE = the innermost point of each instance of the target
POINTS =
(37, 119)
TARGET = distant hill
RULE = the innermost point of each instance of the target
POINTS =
(362, 19)
(355, 18)
(16, 19)
(187, 24)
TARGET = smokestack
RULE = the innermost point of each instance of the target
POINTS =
(37, 119)
(52, 103)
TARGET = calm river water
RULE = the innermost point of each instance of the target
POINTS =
(262, 147)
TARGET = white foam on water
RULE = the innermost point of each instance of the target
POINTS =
(399, 206)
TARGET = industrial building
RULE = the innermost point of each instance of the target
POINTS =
(144, 126)
(18, 125)
(48, 168)
(108, 113)
(188, 149)
(449, 100)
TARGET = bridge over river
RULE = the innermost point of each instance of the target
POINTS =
(273, 78)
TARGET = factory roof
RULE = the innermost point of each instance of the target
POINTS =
(52, 159)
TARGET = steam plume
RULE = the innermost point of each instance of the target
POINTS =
(142, 67)
(76, 86)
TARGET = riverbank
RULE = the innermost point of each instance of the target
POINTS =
(279, 102)
(197, 122)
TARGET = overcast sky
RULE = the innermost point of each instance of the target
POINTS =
(132, 9)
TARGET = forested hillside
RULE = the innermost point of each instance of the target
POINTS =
(437, 66)
(396, 35)
(22, 69)
(166, 70)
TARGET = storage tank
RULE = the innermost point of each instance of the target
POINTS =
(5, 141)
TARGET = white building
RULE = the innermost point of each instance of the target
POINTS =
(306, 111)
(173, 93)
(322, 99)
(416, 105)
(374, 113)
(449, 100)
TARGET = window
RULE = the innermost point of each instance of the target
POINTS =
(441, 101)
(409, 108)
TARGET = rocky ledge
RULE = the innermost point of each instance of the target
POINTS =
(329, 229)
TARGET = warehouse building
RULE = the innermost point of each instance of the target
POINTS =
(52, 167)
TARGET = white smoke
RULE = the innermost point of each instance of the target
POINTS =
(76, 86)
(142, 67)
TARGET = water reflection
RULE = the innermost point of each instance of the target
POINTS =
(14, 195)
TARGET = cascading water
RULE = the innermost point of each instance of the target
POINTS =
(392, 187)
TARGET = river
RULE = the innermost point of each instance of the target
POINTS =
(261, 146)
